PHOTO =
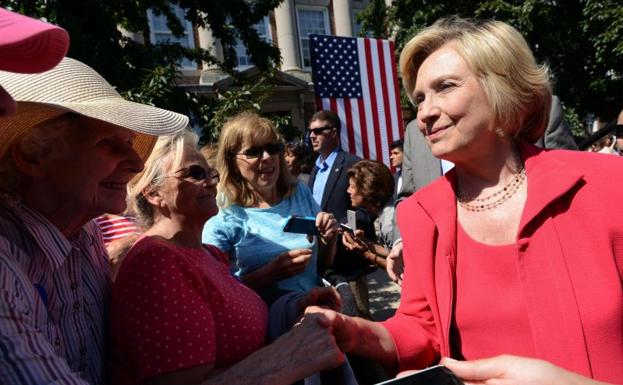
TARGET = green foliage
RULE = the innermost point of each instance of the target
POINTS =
(244, 97)
(581, 40)
(147, 72)
(373, 19)
(573, 119)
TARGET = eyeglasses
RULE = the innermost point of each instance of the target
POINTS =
(198, 173)
(318, 130)
(254, 152)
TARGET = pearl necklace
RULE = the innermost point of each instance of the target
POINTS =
(500, 196)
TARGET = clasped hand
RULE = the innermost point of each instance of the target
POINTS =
(327, 226)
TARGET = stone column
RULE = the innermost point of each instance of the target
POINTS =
(343, 18)
(209, 43)
(286, 36)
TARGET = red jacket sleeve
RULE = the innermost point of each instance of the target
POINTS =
(413, 327)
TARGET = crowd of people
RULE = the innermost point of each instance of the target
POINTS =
(128, 255)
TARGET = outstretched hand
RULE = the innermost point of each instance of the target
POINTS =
(513, 370)
(395, 265)
(290, 263)
(337, 323)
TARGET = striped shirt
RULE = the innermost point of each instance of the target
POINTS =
(115, 227)
(54, 296)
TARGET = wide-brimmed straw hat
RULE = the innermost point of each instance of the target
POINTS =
(28, 45)
(72, 86)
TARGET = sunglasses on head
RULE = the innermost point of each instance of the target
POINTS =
(257, 151)
(318, 130)
(199, 173)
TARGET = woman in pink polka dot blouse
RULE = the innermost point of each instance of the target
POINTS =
(177, 314)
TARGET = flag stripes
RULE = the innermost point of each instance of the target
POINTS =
(370, 115)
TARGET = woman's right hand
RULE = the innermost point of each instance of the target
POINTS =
(289, 264)
(354, 241)
(285, 265)
(513, 370)
(339, 324)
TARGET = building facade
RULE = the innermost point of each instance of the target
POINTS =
(287, 27)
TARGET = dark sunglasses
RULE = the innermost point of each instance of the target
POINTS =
(618, 131)
(199, 173)
(254, 152)
(318, 130)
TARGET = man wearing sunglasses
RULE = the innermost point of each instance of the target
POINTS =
(328, 180)
(329, 184)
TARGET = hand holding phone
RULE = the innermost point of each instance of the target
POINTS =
(301, 225)
(435, 375)
(347, 229)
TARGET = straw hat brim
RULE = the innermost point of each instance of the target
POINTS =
(31, 114)
(74, 86)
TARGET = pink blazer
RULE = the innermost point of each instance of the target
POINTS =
(569, 257)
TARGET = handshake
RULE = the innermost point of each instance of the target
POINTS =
(319, 340)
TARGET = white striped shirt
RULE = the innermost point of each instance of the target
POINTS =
(54, 296)
(114, 227)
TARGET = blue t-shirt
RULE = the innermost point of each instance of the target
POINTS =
(254, 236)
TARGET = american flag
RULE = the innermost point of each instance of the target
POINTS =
(356, 77)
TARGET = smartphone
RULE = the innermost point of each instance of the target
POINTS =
(301, 225)
(435, 375)
(351, 218)
(347, 228)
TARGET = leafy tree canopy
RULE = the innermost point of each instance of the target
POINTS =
(581, 41)
(146, 72)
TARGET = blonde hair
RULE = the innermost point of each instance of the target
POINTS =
(237, 131)
(518, 88)
(152, 176)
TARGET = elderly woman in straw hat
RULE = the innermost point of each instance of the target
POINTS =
(509, 264)
(65, 158)
(177, 315)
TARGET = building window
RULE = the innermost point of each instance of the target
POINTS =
(160, 33)
(263, 29)
(310, 21)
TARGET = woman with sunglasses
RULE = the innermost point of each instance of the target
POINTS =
(261, 195)
(178, 315)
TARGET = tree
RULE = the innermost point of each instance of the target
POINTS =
(581, 41)
(147, 72)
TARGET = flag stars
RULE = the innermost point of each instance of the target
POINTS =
(334, 60)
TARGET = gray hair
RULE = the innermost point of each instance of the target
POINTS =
(48, 139)
(152, 176)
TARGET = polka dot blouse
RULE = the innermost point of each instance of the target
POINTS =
(175, 308)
